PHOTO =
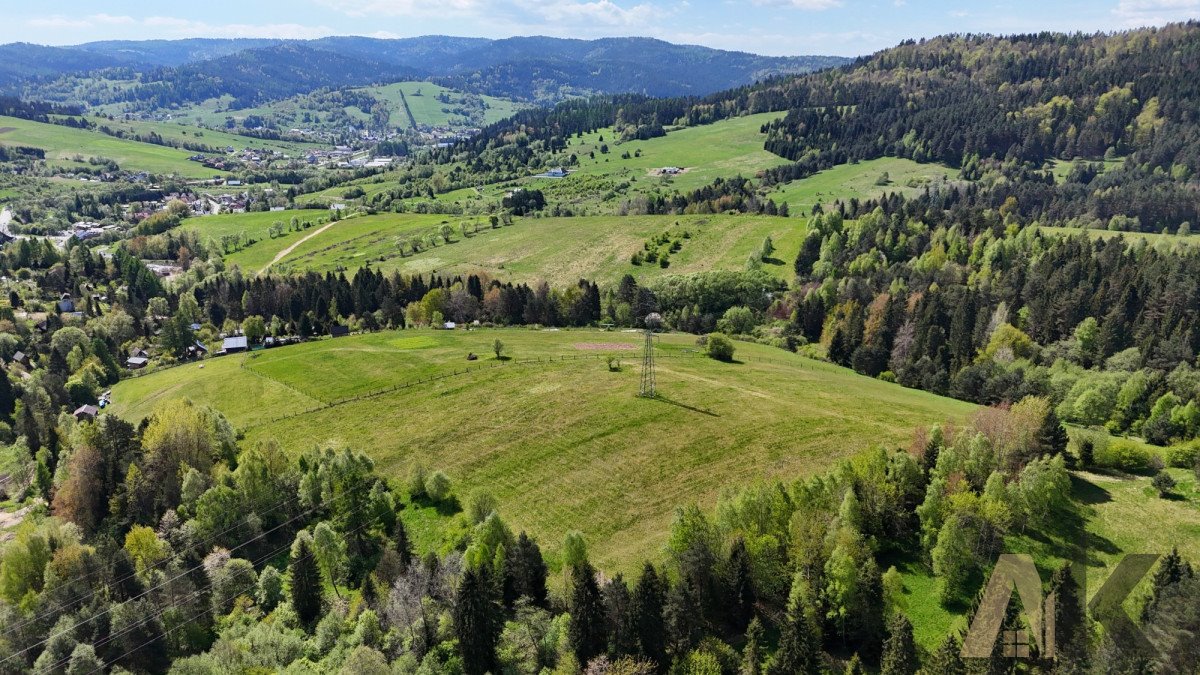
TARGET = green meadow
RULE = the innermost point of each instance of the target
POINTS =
(185, 133)
(562, 442)
(423, 103)
(862, 181)
(64, 144)
(558, 250)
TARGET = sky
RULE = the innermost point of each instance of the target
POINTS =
(774, 27)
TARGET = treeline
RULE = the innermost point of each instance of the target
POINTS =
(946, 296)
(35, 111)
(173, 545)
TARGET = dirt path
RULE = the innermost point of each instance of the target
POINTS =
(288, 251)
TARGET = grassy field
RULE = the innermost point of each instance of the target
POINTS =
(558, 250)
(184, 133)
(861, 181)
(64, 143)
(1153, 238)
(565, 444)
(423, 103)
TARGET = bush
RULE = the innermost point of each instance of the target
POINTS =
(437, 486)
(1124, 455)
(1185, 455)
(416, 482)
(720, 347)
(1163, 483)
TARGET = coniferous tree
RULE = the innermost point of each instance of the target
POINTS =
(1072, 636)
(1052, 436)
(305, 582)
(588, 627)
(1172, 570)
(402, 544)
(899, 650)
(946, 659)
(617, 600)
(741, 587)
(683, 617)
(752, 653)
(646, 612)
(798, 652)
(478, 620)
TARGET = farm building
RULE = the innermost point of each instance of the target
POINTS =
(86, 412)
(136, 362)
(339, 331)
(235, 344)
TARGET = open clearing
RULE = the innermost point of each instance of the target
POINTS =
(558, 250)
(861, 181)
(65, 143)
(564, 444)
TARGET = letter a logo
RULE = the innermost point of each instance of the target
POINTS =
(1012, 570)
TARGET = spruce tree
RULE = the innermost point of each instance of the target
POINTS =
(1172, 570)
(403, 545)
(752, 652)
(741, 586)
(1072, 636)
(946, 659)
(646, 612)
(683, 616)
(899, 650)
(798, 652)
(588, 627)
(306, 582)
(1052, 436)
(477, 620)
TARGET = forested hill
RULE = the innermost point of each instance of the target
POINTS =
(964, 100)
(532, 68)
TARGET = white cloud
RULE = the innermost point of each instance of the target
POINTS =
(1154, 12)
(602, 11)
(175, 27)
(809, 5)
(413, 8)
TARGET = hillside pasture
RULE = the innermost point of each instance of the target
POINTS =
(563, 443)
(64, 144)
(862, 181)
(559, 250)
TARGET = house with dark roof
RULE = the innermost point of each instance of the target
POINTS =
(339, 331)
(136, 362)
(86, 412)
(21, 358)
(66, 305)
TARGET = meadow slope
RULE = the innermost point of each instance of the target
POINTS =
(564, 443)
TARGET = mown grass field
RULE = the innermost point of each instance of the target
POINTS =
(423, 102)
(185, 133)
(558, 250)
(64, 144)
(564, 444)
(861, 181)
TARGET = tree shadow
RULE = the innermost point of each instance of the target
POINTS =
(1087, 492)
(679, 404)
(772, 261)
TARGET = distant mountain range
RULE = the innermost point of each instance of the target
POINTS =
(530, 68)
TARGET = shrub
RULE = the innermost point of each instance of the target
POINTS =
(416, 482)
(437, 486)
(1184, 455)
(1125, 455)
(1163, 483)
(720, 347)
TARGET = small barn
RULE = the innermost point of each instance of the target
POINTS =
(339, 331)
(86, 412)
(235, 344)
(136, 362)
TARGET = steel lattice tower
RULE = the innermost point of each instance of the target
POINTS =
(648, 389)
